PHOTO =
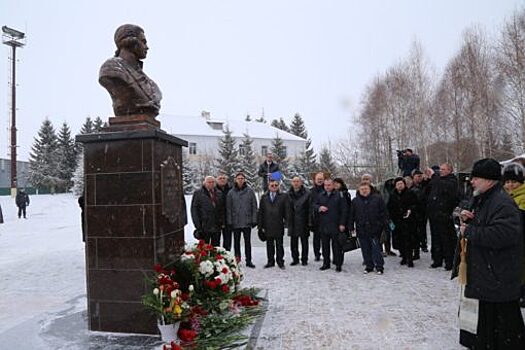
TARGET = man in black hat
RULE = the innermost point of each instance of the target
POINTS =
(493, 233)
(442, 200)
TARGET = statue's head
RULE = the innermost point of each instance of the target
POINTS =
(131, 37)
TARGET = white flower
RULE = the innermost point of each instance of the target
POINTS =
(187, 256)
(174, 293)
(156, 291)
(206, 268)
(190, 288)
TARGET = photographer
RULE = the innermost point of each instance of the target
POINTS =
(407, 161)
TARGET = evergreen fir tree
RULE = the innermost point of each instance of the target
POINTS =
(66, 155)
(43, 160)
(305, 164)
(188, 178)
(326, 162)
(261, 119)
(248, 163)
(88, 127)
(248, 118)
(98, 124)
(228, 163)
(280, 157)
(280, 124)
(78, 176)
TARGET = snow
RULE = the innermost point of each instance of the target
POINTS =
(43, 302)
(197, 126)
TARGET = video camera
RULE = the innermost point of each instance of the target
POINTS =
(400, 152)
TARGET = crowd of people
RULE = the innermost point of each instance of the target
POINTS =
(484, 220)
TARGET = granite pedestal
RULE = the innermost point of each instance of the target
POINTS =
(134, 218)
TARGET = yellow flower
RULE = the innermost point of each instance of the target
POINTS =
(177, 310)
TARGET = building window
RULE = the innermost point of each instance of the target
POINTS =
(193, 148)
(242, 150)
(264, 150)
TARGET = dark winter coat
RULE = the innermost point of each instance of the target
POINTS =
(336, 215)
(207, 213)
(22, 199)
(264, 169)
(300, 212)
(315, 192)
(408, 163)
(224, 192)
(398, 205)
(241, 207)
(368, 215)
(421, 193)
(443, 195)
(272, 217)
(494, 248)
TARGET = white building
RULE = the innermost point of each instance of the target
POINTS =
(203, 133)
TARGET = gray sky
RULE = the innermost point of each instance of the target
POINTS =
(228, 57)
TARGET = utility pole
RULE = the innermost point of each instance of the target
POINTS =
(13, 38)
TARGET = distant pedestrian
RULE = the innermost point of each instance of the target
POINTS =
(22, 202)
(272, 218)
(266, 169)
(241, 214)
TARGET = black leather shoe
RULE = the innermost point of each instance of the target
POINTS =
(338, 269)
(448, 267)
(403, 262)
(304, 263)
(317, 258)
(436, 265)
(410, 264)
(268, 265)
(294, 263)
(250, 265)
(281, 266)
(324, 267)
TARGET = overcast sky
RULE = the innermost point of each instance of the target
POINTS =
(228, 57)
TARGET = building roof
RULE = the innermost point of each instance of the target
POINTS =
(201, 126)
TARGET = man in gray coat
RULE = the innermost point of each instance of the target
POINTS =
(272, 217)
(241, 213)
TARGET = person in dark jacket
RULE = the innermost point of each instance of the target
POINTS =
(22, 202)
(272, 217)
(367, 218)
(224, 187)
(299, 223)
(401, 210)
(207, 212)
(443, 198)
(332, 209)
(241, 213)
(339, 185)
(315, 191)
(493, 232)
(419, 188)
(407, 161)
(266, 169)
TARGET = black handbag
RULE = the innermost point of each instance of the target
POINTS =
(349, 243)
(262, 235)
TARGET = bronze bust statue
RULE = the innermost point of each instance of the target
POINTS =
(131, 90)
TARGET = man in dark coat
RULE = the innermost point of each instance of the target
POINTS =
(299, 224)
(407, 161)
(271, 219)
(266, 169)
(442, 200)
(332, 209)
(493, 231)
(315, 191)
(368, 218)
(241, 213)
(22, 201)
(207, 212)
(419, 188)
(224, 187)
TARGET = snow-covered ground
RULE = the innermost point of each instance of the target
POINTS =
(42, 291)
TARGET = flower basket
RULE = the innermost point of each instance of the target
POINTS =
(168, 332)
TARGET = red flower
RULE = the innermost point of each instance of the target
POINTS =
(218, 280)
(157, 268)
(219, 257)
(185, 296)
(175, 346)
(225, 288)
(224, 270)
(204, 253)
(187, 335)
(208, 247)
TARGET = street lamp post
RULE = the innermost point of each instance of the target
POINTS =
(15, 39)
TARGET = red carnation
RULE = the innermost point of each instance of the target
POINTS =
(203, 253)
(157, 268)
(175, 346)
(187, 335)
(225, 270)
(208, 247)
(218, 280)
(225, 288)
(219, 257)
